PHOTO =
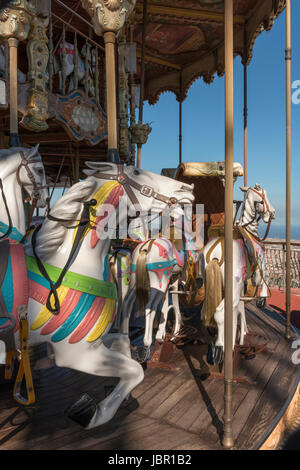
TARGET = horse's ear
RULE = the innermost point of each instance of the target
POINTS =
(32, 152)
(103, 166)
(257, 186)
(244, 188)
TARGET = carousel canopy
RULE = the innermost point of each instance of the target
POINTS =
(185, 39)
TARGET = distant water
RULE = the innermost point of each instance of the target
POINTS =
(278, 231)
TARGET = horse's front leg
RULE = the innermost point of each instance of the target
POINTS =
(102, 360)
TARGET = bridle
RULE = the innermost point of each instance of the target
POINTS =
(25, 163)
(35, 195)
(129, 183)
(266, 208)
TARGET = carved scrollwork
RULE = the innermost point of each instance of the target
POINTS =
(108, 15)
(140, 133)
(38, 55)
(15, 19)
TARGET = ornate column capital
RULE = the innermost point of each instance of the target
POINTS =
(15, 19)
(108, 15)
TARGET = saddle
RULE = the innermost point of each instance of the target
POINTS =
(239, 233)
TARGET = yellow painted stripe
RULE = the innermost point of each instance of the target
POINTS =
(101, 195)
(104, 320)
(45, 314)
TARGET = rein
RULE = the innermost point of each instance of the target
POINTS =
(81, 227)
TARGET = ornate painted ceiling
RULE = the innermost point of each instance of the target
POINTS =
(185, 39)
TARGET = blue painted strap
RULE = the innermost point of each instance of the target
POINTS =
(74, 318)
(8, 290)
(14, 234)
(154, 266)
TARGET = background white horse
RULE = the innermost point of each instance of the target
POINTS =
(20, 169)
(256, 206)
(79, 334)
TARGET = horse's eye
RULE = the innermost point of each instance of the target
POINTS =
(136, 172)
(40, 171)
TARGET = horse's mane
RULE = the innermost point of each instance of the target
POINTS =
(68, 208)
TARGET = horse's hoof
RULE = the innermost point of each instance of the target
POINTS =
(215, 355)
(199, 282)
(141, 354)
(82, 411)
(261, 303)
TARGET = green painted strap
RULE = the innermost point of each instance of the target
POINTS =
(75, 281)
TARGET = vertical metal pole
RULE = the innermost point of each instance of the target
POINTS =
(87, 68)
(228, 361)
(51, 68)
(288, 58)
(63, 60)
(245, 127)
(75, 62)
(14, 140)
(180, 121)
(180, 132)
(245, 112)
(111, 99)
(142, 86)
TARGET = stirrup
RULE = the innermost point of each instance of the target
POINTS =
(24, 371)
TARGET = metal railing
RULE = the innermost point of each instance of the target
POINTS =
(276, 263)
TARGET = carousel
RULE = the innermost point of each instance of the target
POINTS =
(146, 347)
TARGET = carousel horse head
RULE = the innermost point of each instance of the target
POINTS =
(26, 164)
(145, 190)
(258, 202)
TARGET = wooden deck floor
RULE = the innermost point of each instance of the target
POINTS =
(168, 410)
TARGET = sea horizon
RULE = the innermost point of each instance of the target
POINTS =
(279, 231)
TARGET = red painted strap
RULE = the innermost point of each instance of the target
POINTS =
(67, 307)
(89, 320)
(20, 279)
(38, 292)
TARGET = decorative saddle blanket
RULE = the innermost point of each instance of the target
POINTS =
(13, 280)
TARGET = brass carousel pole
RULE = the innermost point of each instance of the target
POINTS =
(142, 86)
(245, 112)
(111, 100)
(288, 58)
(14, 140)
(108, 19)
(228, 361)
(180, 121)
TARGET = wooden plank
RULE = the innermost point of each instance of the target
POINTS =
(271, 401)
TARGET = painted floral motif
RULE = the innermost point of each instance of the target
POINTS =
(85, 118)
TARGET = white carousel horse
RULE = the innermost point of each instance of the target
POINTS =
(77, 319)
(20, 169)
(155, 266)
(256, 206)
(69, 66)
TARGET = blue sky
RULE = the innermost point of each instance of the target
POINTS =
(203, 120)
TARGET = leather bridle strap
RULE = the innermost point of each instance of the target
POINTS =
(25, 163)
(7, 233)
(129, 183)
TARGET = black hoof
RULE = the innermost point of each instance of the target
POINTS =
(261, 303)
(215, 355)
(141, 354)
(82, 411)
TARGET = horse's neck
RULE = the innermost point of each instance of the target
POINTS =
(248, 216)
(13, 194)
(87, 261)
